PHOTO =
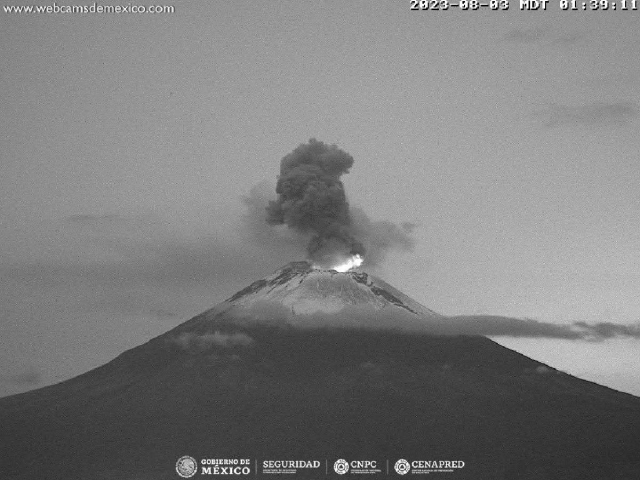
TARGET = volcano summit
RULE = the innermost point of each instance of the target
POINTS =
(299, 295)
(316, 364)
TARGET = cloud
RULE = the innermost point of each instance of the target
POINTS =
(382, 237)
(267, 312)
(121, 251)
(203, 342)
(357, 317)
(311, 200)
(276, 241)
(598, 113)
(153, 270)
(604, 330)
(498, 326)
(543, 370)
(145, 265)
(100, 266)
(379, 237)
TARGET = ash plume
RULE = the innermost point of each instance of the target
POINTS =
(312, 201)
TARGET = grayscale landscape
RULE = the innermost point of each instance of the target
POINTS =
(320, 231)
(240, 379)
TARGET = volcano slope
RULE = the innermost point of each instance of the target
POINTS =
(227, 384)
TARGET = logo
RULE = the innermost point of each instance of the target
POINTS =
(402, 466)
(186, 466)
(341, 466)
(225, 466)
(288, 466)
(349, 468)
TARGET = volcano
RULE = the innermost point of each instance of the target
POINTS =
(299, 295)
(313, 364)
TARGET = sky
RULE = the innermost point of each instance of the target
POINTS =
(137, 151)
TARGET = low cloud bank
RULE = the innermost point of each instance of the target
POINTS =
(201, 343)
(397, 319)
(497, 326)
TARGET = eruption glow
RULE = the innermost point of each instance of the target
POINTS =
(353, 262)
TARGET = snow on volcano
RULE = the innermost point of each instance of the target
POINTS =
(303, 296)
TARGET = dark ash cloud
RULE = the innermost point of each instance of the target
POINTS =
(312, 200)
(378, 237)
(313, 203)
(617, 114)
